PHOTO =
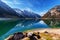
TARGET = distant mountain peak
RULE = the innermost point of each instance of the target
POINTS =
(27, 14)
(27, 11)
(17, 9)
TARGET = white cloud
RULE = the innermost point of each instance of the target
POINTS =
(30, 4)
(7, 2)
(4, 1)
(14, 2)
(28, 9)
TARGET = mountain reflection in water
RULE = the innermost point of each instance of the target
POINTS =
(11, 26)
(53, 23)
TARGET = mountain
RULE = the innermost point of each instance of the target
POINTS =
(53, 13)
(31, 14)
(7, 12)
(19, 12)
(27, 14)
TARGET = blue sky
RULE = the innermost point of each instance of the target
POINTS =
(37, 6)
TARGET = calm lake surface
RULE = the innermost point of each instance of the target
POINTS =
(8, 27)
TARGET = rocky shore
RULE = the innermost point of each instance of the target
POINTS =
(36, 34)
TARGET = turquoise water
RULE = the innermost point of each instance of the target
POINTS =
(8, 27)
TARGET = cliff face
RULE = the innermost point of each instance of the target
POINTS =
(53, 13)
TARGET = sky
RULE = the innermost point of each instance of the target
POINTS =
(38, 6)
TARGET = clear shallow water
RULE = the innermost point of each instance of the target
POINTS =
(11, 26)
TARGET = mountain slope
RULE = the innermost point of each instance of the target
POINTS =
(53, 13)
(7, 12)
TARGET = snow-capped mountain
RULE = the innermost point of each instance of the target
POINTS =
(27, 14)
(8, 12)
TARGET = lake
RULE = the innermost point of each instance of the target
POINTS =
(8, 27)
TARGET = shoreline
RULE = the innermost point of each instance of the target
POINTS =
(49, 30)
